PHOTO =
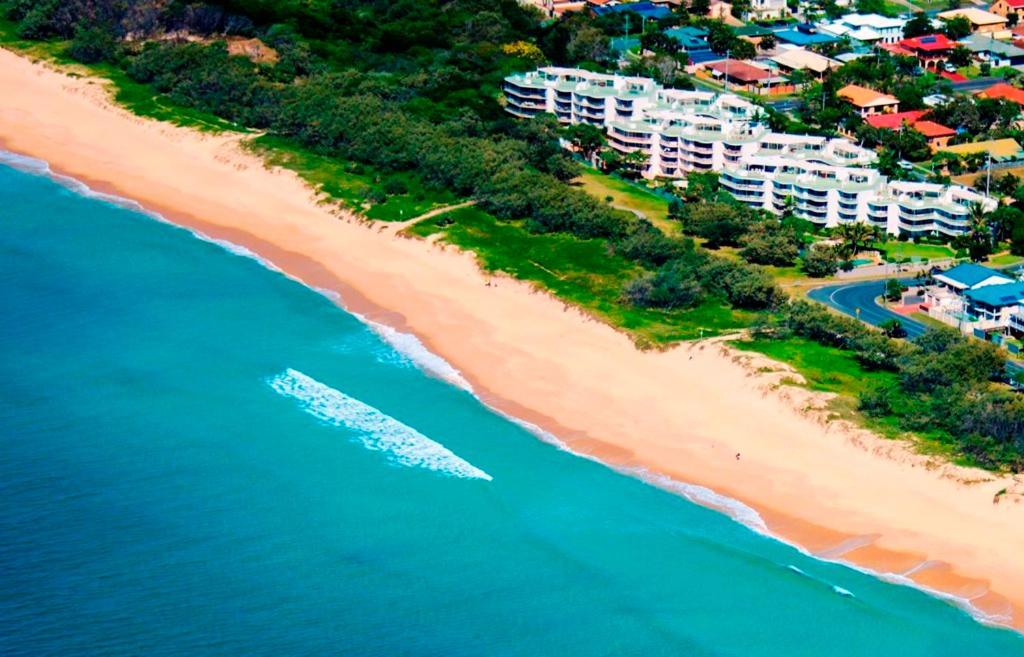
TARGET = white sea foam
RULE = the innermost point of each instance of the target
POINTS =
(733, 508)
(376, 431)
(843, 592)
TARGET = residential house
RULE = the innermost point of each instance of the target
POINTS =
(868, 101)
(1000, 150)
(644, 9)
(981, 21)
(803, 35)
(946, 300)
(789, 60)
(766, 10)
(1004, 91)
(931, 51)
(753, 33)
(740, 75)
(997, 53)
(866, 28)
(938, 135)
(996, 307)
(1007, 7)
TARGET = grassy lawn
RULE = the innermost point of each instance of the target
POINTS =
(580, 272)
(353, 185)
(629, 196)
(1005, 259)
(895, 251)
(927, 320)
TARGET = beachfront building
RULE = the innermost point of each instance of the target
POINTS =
(829, 195)
(972, 296)
(826, 181)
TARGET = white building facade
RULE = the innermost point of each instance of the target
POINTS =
(825, 181)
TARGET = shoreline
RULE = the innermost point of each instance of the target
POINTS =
(799, 491)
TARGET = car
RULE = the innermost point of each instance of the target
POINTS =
(949, 68)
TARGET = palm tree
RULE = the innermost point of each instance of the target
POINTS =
(979, 232)
(854, 237)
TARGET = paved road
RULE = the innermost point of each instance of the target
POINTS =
(976, 84)
(849, 297)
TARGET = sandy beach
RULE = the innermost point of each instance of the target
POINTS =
(685, 413)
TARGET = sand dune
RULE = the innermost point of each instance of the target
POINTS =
(685, 413)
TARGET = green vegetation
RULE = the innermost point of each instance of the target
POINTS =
(629, 196)
(395, 197)
(896, 251)
(580, 272)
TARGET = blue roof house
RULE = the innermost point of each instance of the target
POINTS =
(647, 10)
(692, 39)
(969, 276)
(805, 34)
(998, 306)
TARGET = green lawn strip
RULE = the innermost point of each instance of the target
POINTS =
(353, 185)
(629, 196)
(896, 251)
(1005, 259)
(580, 272)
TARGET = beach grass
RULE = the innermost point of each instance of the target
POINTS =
(583, 273)
(358, 187)
(629, 196)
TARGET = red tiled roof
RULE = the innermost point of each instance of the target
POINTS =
(740, 70)
(1016, 4)
(953, 77)
(929, 43)
(931, 129)
(1004, 91)
(895, 120)
(896, 49)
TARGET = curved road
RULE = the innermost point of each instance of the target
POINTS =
(848, 298)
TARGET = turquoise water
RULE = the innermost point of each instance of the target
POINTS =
(199, 456)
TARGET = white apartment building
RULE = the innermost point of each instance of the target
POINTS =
(823, 180)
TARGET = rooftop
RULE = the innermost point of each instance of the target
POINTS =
(1009, 294)
(998, 148)
(895, 120)
(1004, 91)
(970, 274)
(985, 43)
(929, 43)
(740, 70)
(932, 129)
(974, 15)
(864, 97)
(874, 21)
(645, 9)
(802, 38)
(800, 59)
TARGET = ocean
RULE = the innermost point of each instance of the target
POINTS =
(200, 456)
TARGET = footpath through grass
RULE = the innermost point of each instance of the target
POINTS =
(580, 272)
(629, 196)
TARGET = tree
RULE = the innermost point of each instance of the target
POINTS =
(893, 328)
(768, 42)
(769, 242)
(93, 44)
(960, 56)
(894, 290)
(854, 237)
(957, 27)
(919, 25)
(1012, 19)
(979, 233)
(820, 261)
(700, 7)
(586, 138)
(721, 224)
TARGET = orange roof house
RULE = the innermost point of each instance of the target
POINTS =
(868, 101)
(938, 135)
(1004, 91)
